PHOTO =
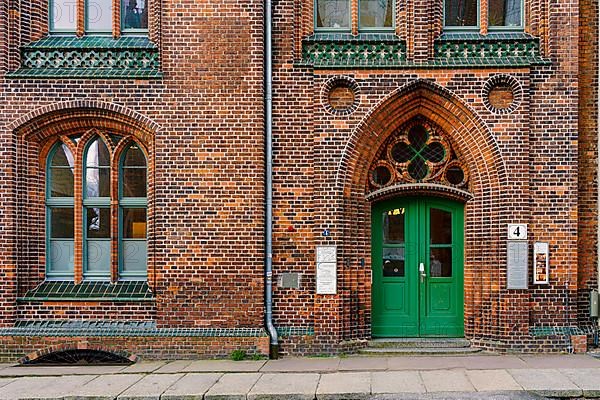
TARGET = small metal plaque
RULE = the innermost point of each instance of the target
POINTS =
(541, 270)
(326, 270)
(289, 280)
(517, 276)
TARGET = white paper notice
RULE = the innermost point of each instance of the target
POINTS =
(326, 270)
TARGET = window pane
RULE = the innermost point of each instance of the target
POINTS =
(461, 13)
(393, 262)
(440, 225)
(134, 182)
(134, 223)
(333, 14)
(393, 226)
(98, 223)
(98, 15)
(61, 223)
(504, 12)
(63, 15)
(134, 157)
(62, 157)
(376, 13)
(98, 258)
(97, 182)
(135, 14)
(61, 258)
(97, 154)
(134, 257)
(441, 263)
(61, 182)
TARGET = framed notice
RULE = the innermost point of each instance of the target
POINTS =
(517, 275)
(326, 270)
(541, 266)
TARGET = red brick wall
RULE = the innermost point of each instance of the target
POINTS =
(204, 128)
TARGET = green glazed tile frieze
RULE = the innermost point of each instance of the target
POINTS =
(450, 50)
(89, 57)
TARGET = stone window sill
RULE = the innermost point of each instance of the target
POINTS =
(89, 57)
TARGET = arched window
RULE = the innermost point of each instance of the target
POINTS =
(97, 231)
(60, 215)
(133, 213)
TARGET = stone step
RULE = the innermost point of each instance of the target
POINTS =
(419, 343)
(416, 351)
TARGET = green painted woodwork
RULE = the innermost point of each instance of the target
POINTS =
(405, 233)
(89, 57)
(453, 49)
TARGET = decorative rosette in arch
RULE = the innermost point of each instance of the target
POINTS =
(417, 153)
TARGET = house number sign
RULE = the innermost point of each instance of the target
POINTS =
(326, 270)
(517, 231)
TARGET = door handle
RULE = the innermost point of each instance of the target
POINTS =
(422, 274)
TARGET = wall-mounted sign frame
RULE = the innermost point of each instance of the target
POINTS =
(517, 273)
(541, 265)
(326, 269)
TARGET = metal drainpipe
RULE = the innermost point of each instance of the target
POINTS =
(274, 343)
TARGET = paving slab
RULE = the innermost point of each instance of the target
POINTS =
(546, 382)
(224, 366)
(424, 363)
(104, 387)
(191, 387)
(58, 371)
(446, 381)
(232, 386)
(344, 385)
(292, 386)
(492, 380)
(6, 381)
(554, 361)
(493, 362)
(328, 364)
(392, 382)
(142, 367)
(363, 364)
(151, 387)
(43, 387)
(588, 379)
(173, 367)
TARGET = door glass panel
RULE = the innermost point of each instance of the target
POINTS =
(393, 261)
(393, 226)
(440, 264)
(440, 223)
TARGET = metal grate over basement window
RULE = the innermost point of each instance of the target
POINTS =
(80, 357)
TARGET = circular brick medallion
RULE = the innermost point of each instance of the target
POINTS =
(339, 95)
(502, 94)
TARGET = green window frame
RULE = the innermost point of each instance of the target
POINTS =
(508, 28)
(55, 269)
(133, 253)
(96, 250)
(361, 29)
(453, 28)
(59, 7)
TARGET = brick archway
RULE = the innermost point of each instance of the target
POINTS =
(479, 152)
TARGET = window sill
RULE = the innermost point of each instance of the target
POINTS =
(89, 57)
(127, 291)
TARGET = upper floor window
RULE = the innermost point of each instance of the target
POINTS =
(109, 208)
(465, 14)
(336, 15)
(98, 16)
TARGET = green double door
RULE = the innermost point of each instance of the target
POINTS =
(417, 261)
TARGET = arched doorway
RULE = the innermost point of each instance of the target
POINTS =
(417, 261)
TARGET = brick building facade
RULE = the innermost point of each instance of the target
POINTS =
(406, 135)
